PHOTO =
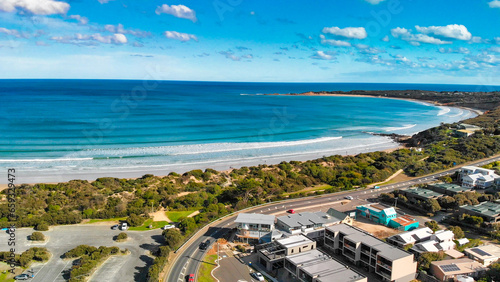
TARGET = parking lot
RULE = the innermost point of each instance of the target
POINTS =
(131, 267)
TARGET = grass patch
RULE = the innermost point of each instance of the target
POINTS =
(3, 277)
(175, 215)
(310, 189)
(144, 227)
(105, 220)
(204, 274)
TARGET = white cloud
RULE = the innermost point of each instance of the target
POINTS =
(374, 2)
(119, 29)
(37, 7)
(497, 40)
(338, 43)
(80, 19)
(230, 55)
(87, 39)
(180, 36)
(104, 1)
(454, 31)
(494, 4)
(386, 38)
(415, 39)
(348, 32)
(179, 11)
(461, 50)
(495, 49)
(12, 32)
(321, 55)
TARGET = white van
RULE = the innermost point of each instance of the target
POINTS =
(123, 226)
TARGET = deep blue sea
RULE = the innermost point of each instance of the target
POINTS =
(57, 130)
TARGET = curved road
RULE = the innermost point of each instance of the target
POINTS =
(190, 258)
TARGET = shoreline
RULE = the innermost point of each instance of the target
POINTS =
(228, 167)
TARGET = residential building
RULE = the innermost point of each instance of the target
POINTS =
(377, 212)
(416, 194)
(411, 238)
(485, 255)
(361, 248)
(446, 270)
(272, 255)
(448, 188)
(489, 211)
(311, 223)
(479, 181)
(463, 132)
(404, 223)
(253, 227)
(469, 127)
(343, 217)
(315, 266)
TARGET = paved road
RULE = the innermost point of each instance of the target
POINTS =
(189, 258)
(132, 267)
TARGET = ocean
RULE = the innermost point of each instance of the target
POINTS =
(58, 130)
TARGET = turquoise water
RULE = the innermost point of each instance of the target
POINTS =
(56, 130)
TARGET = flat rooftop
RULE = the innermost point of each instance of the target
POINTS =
(425, 193)
(294, 241)
(485, 252)
(405, 220)
(255, 218)
(450, 187)
(322, 266)
(358, 236)
(485, 208)
(307, 218)
(458, 266)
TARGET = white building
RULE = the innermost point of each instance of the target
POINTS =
(478, 177)
(253, 226)
(485, 255)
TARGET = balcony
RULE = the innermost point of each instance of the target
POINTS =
(385, 275)
(384, 265)
(350, 247)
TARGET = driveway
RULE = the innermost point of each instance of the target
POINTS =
(131, 267)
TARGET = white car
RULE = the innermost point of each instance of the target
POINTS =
(123, 226)
(168, 227)
(258, 276)
(349, 197)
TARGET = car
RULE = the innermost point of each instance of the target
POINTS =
(375, 187)
(168, 226)
(114, 227)
(349, 198)
(191, 277)
(258, 276)
(290, 211)
(203, 246)
(123, 226)
(23, 276)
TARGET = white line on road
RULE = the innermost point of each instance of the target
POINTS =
(61, 271)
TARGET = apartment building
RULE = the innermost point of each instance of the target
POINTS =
(446, 270)
(362, 249)
(377, 212)
(272, 255)
(253, 227)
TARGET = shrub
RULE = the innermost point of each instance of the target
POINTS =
(42, 226)
(37, 236)
(122, 236)
(135, 220)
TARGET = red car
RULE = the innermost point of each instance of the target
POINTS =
(191, 277)
(290, 211)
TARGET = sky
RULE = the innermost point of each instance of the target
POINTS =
(399, 41)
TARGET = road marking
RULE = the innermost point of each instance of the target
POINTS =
(61, 271)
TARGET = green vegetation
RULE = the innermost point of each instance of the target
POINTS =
(457, 232)
(25, 259)
(37, 236)
(3, 277)
(90, 258)
(208, 264)
(107, 219)
(432, 225)
(158, 264)
(425, 259)
(121, 237)
(42, 226)
(174, 216)
(147, 223)
(472, 243)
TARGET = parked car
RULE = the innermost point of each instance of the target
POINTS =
(290, 211)
(114, 227)
(23, 276)
(168, 227)
(124, 226)
(191, 277)
(203, 246)
(349, 198)
(258, 276)
(375, 187)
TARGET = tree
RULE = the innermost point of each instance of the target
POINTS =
(42, 226)
(135, 220)
(173, 237)
(457, 231)
(425, 259)
(187, 225)
(37, 236)
(494, 271)
(432, 225)
(432, 205)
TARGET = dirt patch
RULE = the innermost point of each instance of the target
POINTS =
(160, 215)
(184, 194)
(194, 213)
(377, 230)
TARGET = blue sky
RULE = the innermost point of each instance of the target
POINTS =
(410, 41)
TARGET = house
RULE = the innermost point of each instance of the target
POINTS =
(253, 227)
(411, 238)
(480, 181)
(469, 127)
(388, 262)
(463, 133)
(489, 211)
(310, 223)
(404, 223)
(416, 194)
(377, 212)
(446, 270)
(272, 255)
(448, 188)
(468, 170)
(316, 266)
(485, 255)
(343, 217)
